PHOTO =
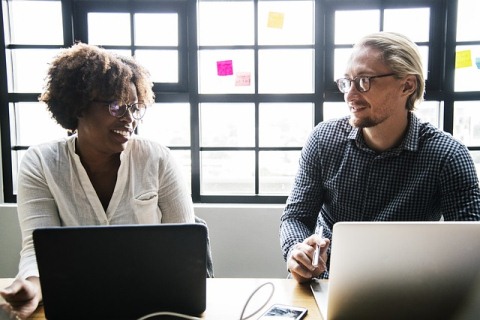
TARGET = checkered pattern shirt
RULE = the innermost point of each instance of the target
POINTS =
(430, 175)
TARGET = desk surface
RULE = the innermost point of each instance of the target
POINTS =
(226, 297)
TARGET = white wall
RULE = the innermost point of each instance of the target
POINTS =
(10, 241)
(244, 240)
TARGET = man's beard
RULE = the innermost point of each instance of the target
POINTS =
(362, 123)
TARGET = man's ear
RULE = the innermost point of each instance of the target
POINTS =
(410, 84)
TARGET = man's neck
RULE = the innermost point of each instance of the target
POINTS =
(386, 135)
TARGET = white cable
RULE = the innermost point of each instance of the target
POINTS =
(184, 316)
(253, 293)
(166, 313)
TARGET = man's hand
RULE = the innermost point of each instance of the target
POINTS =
(300, 260)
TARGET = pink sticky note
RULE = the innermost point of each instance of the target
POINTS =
(242, 79)
(225, 68)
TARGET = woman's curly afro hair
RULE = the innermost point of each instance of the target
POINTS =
(83, 73)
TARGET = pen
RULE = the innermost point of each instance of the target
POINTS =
(317, 250)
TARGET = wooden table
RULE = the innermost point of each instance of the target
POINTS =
(226, 297)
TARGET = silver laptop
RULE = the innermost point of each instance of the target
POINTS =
(400, 270)
(122, 272)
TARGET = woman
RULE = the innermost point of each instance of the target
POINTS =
(102, 174)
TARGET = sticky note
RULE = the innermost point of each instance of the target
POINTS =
(463, 59)
(477, 62)
(225, 68)
(275, 20)
(242, 79)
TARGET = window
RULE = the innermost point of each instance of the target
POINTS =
(239, 84)
(24, 63)
(155, 32)
(256, 62)
(466, 80)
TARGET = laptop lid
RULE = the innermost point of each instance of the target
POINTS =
(122, 272)
(399, 270)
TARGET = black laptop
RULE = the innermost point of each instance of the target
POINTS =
(122, 272)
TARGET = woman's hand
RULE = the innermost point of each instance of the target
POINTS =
(7, 313)
(300, 262)
(23, 296)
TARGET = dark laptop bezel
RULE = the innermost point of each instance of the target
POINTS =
(122, 271)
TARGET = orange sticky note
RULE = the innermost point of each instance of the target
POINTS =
(242, 79)
(463, 59)
(275, 20)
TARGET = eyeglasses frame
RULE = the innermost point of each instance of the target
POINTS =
(356, 81)
(128, 107)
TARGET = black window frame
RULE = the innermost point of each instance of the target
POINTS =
(439, 86)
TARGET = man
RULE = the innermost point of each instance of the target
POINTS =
(380, 163)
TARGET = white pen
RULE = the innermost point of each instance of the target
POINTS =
(317, 250)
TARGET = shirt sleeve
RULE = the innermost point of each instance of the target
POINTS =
(174, 199)
(460, 194)
(305, 201)
(36, 208)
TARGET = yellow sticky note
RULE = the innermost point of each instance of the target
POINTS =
(275, 20)
(463, 59)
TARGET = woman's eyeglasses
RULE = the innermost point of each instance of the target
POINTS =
(118, 108)
(361, 83)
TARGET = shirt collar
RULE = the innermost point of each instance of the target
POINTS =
(410, 142)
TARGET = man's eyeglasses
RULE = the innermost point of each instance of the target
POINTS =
(361, 83)
(118, 108)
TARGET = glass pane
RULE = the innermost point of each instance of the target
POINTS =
(183, 158)
(225, 23)
(431, 111)
(226, 71)
(156, 29)
(476, 160)
(29, 69)
(25, 116)
(35, 22)
(109, 28)
(227, 125)
(162, 64)
(277, 171)
(424, 54)
(167, 123)
(466, 126)
(468, 23)
(227, 172)
(394, 20)
(365, 22)
(335, 110)
(340, 57)
(286, 71)
(467, 68)
(285, 22)
(285, 124)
